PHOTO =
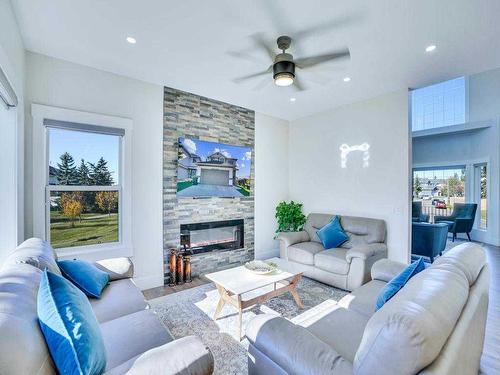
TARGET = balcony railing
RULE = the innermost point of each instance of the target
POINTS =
(432, 211)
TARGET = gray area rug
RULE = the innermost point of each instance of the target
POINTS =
(190, 312)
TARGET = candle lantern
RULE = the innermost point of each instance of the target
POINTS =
(172, 267)
(187, 269)
(180, 269)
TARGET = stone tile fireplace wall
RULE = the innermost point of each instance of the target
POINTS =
(193, 116)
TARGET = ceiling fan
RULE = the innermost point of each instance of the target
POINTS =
(284, 65)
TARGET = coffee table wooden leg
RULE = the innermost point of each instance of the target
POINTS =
(221, 303)
(293, 290)
(240, 316)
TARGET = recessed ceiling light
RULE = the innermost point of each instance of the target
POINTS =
(430, 48)
(131, 40)
(293, 99)
(347, 79)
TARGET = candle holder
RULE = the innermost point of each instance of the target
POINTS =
(180, 269)
(187, 269)
(172, 267)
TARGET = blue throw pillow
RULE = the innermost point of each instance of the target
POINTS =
(70, 327)
(332, 235)
(87, 277)
(398, 282)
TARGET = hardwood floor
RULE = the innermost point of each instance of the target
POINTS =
(490, 360)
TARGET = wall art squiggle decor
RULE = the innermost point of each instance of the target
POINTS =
(345, 150)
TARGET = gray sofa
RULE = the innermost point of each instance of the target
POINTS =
(346, 267)
(434, 325)
(136, 341)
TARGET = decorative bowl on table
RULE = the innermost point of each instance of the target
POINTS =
(260, 267)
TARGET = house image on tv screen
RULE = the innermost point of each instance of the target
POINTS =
(209, 169)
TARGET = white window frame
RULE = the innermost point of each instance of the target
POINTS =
(42, 189)
(476, 186)
(466, 107)
(478, 234)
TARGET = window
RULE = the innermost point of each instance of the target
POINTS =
(83, 184)
(439, 189)
(439, 105)
(481, 189)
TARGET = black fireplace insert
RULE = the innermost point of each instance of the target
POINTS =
(213, 236)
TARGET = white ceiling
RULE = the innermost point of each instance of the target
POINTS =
(185, 44)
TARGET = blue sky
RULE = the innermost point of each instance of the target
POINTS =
(204, 149)
(82, 145)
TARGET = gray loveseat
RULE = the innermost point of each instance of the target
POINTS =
(346, 267)
(434, 325)
(136, 341)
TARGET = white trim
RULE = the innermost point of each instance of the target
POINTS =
(40, 175)
(453, 129)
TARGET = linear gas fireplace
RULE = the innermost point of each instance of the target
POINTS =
(213, 236)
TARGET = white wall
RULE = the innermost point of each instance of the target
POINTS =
(271, 180)
(58, 83)
(380, 190)
(11, 133)
(478, 146)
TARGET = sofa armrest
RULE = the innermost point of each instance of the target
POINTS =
(366, 251)
(187, 355)
(117, 268)
(293, 348)
(385, 269)
(291, 238)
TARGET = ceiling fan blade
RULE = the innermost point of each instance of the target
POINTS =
(260, 42)
(262, 84)
(298, 84)
(277, 15)
(253, 75)
(307, 62)
(325, 27)
(245, 56)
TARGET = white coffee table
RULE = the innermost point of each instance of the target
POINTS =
(243, 288)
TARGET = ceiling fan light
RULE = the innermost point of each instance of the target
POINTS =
(283, 79)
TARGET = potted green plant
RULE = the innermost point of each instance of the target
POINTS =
(290, 217)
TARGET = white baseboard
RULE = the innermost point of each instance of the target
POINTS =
(148, 282)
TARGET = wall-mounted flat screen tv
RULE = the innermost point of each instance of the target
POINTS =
(210, 169)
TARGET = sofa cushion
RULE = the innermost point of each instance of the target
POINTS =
(332, 235)
(414, 324)
(131, 335)
(467, 258)
(19, 320)
(85, 276)
(314, 223)
(119, 298)
(332, 260)
(362, 230)
(304, 252)
(116, 268)
(70, 328)
(35, 252)
(339, 328)
(362, 300)
(398, 282)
